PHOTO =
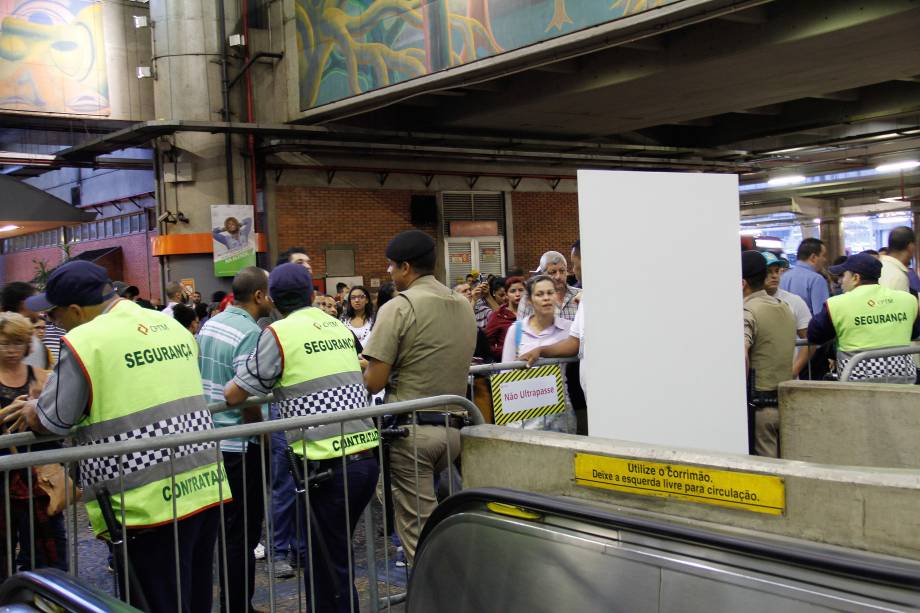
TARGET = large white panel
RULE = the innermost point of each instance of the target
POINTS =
(663, 320)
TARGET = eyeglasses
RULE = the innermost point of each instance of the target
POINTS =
(359, 297)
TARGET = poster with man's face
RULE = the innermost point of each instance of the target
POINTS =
(233, 239)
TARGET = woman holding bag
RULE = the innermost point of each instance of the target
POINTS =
(538, 330)
(19, 381)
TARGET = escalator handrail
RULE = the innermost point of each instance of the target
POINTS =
(849, 563)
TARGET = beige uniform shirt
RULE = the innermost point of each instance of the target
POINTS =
(427, 334)
(770, 332)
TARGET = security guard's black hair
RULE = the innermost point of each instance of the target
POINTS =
(756, 282)
(423, 265)
(288, 302)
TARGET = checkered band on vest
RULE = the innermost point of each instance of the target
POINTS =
(882, 368)
(326, 401)
(98, 470)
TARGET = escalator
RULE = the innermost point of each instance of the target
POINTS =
(499, 550)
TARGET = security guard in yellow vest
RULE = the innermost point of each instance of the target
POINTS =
(109, 384)
(868, 316)
(309, 362)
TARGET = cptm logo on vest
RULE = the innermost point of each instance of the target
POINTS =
(872, 303)
(154, 328)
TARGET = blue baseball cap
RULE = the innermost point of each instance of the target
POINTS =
(773, 260)
(290, 277)
(78, 282)
(863, 264)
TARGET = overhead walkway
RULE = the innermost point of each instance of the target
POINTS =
(502, 550)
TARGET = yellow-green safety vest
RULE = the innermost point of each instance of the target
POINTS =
(142, 368)
(321, 376)
(872, 316)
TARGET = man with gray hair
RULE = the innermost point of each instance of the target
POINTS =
(553, 263)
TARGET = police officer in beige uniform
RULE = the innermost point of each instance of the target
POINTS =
(422, 345)
(769, 344)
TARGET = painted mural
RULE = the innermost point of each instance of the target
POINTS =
(52, 57)
(352, 46)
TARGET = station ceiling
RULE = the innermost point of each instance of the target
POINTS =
(763, 88)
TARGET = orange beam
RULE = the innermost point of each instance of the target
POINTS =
(186, 244)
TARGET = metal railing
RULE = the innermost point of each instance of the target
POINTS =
(25, 439)
(306, 580)
(862, 356)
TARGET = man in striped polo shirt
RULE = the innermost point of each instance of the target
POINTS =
(225, 341)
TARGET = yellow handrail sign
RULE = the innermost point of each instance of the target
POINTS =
(738, 490)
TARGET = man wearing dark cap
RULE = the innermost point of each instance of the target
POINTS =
(109, 385)
(769, 344)
(868, 316)
(308, 361)
(422, 345)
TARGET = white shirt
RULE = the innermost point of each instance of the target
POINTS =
(578, 331)
(169, 309)
(798, 306)
(894, 274)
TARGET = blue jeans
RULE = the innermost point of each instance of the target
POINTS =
(284, 514)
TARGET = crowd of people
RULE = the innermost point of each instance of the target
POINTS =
(863, 301)
(315, 354)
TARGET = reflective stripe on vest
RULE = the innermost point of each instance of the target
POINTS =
(321, 375)
(872, 316)
(144, 383)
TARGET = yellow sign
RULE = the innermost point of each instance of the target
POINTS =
(748, 491)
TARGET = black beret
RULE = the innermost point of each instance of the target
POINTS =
(409, 245)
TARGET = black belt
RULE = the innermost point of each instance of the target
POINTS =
(433, 419)
(352, 457)
(763, 400)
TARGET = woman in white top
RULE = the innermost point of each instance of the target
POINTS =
(538, 330)
(359, 313)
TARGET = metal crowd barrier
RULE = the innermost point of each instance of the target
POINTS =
(69, 455)
(888, 352)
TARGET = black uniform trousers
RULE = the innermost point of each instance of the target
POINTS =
(242, 525)
(152, 556)
(331, 587)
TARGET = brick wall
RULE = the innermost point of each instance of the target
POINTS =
(543, 221)
(365, 220)
(138, 267)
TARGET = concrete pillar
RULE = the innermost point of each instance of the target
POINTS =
(194, 169)
(832, 230)
(915, 224)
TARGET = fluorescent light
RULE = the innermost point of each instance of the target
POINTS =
(897, 166)
(893, 199)
(751, 232)
(9, 228)
(786, 180)
(769, 243)
(816, 220)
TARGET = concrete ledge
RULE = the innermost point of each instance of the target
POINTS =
(874, 510)
(851, 424)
